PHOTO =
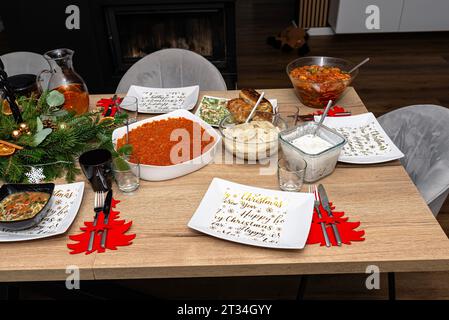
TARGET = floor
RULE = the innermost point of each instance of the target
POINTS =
(404, 69)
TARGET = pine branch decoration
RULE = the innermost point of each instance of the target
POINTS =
(57, 154)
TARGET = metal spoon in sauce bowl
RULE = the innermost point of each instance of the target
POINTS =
(359, 65)
(326, 111)
(253, 111)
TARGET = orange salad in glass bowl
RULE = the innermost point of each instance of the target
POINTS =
(319, 79)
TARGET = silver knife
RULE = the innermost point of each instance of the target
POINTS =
(323, 225)
(325, 203)
(106, 211)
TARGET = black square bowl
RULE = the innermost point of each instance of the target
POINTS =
(8, 189)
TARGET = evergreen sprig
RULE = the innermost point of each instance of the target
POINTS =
(57, 154)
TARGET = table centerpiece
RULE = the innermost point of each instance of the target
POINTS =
(47, 141)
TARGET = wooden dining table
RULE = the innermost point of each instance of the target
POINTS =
(402, 235)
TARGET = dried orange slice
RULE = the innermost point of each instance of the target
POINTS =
(6, 150)
(6, 109)
(111, 119)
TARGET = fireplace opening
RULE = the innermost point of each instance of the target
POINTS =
(135, 31)
(193, 32)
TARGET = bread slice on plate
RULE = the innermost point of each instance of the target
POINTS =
(240, 110)
(250, 96)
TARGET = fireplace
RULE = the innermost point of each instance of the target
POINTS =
(207, 28)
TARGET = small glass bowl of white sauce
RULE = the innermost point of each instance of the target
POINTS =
(256, 140)
(320, 151)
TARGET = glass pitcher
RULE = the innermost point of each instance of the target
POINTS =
(64, 79)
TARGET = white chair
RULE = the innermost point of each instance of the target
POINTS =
(421, 133)
(22, 62)
(173, 68)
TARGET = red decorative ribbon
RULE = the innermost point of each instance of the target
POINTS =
(116, 236)
(105, 103)
(347, 230)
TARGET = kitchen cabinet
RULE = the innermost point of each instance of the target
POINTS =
(350, 16)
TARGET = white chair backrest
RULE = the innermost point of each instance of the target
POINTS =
(173, 68)
(421, 133)
(22, 62)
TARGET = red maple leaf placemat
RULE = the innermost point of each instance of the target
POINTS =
(106, 102)
(333, 112)
(348, 232)
(116, 237)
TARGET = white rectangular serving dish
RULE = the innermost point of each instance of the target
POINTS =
(274, 103)
(159, 173)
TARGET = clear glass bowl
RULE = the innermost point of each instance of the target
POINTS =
(255, 149)
(317, 94)
(318, 165)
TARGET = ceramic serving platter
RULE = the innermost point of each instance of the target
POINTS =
(254, 216)
(367, 141)
(216, 105)
(64, 205)
(163, 100)
(159, 173)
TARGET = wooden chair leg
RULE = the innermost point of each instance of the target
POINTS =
(3, 292)
(302, 287)
(391, 286)
(8, 292)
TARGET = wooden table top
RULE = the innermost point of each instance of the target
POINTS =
(401, 232)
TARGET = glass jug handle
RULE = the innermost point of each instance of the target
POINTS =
(39, 80)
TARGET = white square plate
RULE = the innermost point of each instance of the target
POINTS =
(222, 101)
(254, 216)
(163, 100)
(64, 206)
(367, 140)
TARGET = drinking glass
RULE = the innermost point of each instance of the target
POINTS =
(126, 174)
(130, 106)
(291, 174)
(289, 114)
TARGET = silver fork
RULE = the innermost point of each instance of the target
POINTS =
(98, 207)
(316, 204)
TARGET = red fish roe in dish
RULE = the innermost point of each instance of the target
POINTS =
(167, 142)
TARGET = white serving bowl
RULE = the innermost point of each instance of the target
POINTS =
(159, 173)
(251, 150)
